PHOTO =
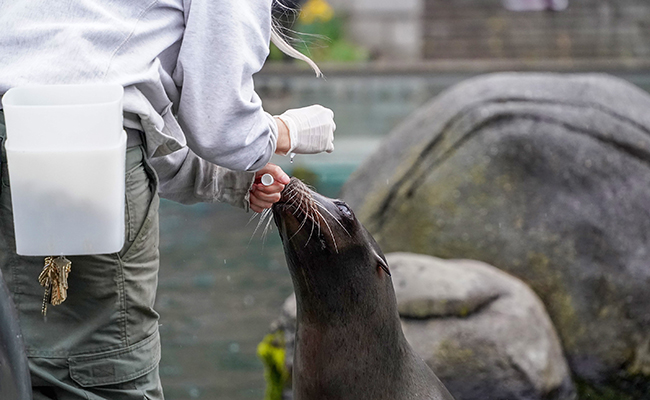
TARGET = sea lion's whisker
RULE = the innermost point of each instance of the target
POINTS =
(255, 215)
(319, 230)
(293, 191)
(292, 195)
(301, 208)
(302, 224)
(298, 208)
(298, 231)
(313, 216)
(268, 226)
(309, 214)
(330, 229)
(292, 202)
(305, 207)
(263, 215)
(311, 232)
(332, 215)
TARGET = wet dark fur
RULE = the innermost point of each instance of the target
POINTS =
(349, 341)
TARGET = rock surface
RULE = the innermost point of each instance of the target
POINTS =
(484, 333)
(546, 177)
(493, 339)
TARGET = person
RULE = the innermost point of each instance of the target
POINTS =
(197, 132)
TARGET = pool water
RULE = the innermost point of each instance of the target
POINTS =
(220, 287)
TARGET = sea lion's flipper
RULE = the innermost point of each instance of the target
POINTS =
(381, 262)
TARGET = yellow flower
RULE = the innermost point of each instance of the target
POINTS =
(316, 10)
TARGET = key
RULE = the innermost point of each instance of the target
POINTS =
(54, 278)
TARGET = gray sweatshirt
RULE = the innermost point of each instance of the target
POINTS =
(187, 68)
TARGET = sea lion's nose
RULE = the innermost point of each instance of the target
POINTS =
(290, 190)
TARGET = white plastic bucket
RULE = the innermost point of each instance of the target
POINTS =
(66, 153)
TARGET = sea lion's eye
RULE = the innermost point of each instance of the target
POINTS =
(344, 209)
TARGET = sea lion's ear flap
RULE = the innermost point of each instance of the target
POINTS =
(382, 263)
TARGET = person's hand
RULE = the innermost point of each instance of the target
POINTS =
(263, 197)
(311, 129)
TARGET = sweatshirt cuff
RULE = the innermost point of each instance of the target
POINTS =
(233, 187)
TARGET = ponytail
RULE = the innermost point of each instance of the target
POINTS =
(278, 40)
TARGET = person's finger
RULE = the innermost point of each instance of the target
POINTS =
(259, 206)
(274, 188)
(279, 176)
(266, 197)
(263, 197)
(260, 201)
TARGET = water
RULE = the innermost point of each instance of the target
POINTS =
(220, 287)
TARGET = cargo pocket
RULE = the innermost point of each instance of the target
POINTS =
(116, 366)
(139, 195)
(141, 206)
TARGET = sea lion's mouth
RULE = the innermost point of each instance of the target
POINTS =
(292, 190)
(296, 198)
(303, 216)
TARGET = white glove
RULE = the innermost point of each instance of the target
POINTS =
(311, 129)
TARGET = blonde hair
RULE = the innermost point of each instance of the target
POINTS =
(277, 38)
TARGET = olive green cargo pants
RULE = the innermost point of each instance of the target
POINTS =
(103, 341)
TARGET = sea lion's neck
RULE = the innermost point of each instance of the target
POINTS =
(343, 329)
(332, 360)
(327, 296)
(342, 307)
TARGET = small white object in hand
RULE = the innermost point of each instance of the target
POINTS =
(267, 180)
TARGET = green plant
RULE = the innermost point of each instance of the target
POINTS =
(272, 353)
(320, 34)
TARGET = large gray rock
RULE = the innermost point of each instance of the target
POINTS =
(484, 333)
(546, 177)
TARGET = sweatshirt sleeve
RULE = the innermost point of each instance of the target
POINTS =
(186, 178)
(225, 43)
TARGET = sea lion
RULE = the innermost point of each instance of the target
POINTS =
(349, 341)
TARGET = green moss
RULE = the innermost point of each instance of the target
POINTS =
(451, 352)
(641, 364)
(548, 284)
(272, 353)
(588, 392)
(477, 175)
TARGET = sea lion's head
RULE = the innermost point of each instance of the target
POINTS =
(333, 260)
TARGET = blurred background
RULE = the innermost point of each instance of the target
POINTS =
(221, 284)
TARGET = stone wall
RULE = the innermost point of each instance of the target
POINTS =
(455, 29)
